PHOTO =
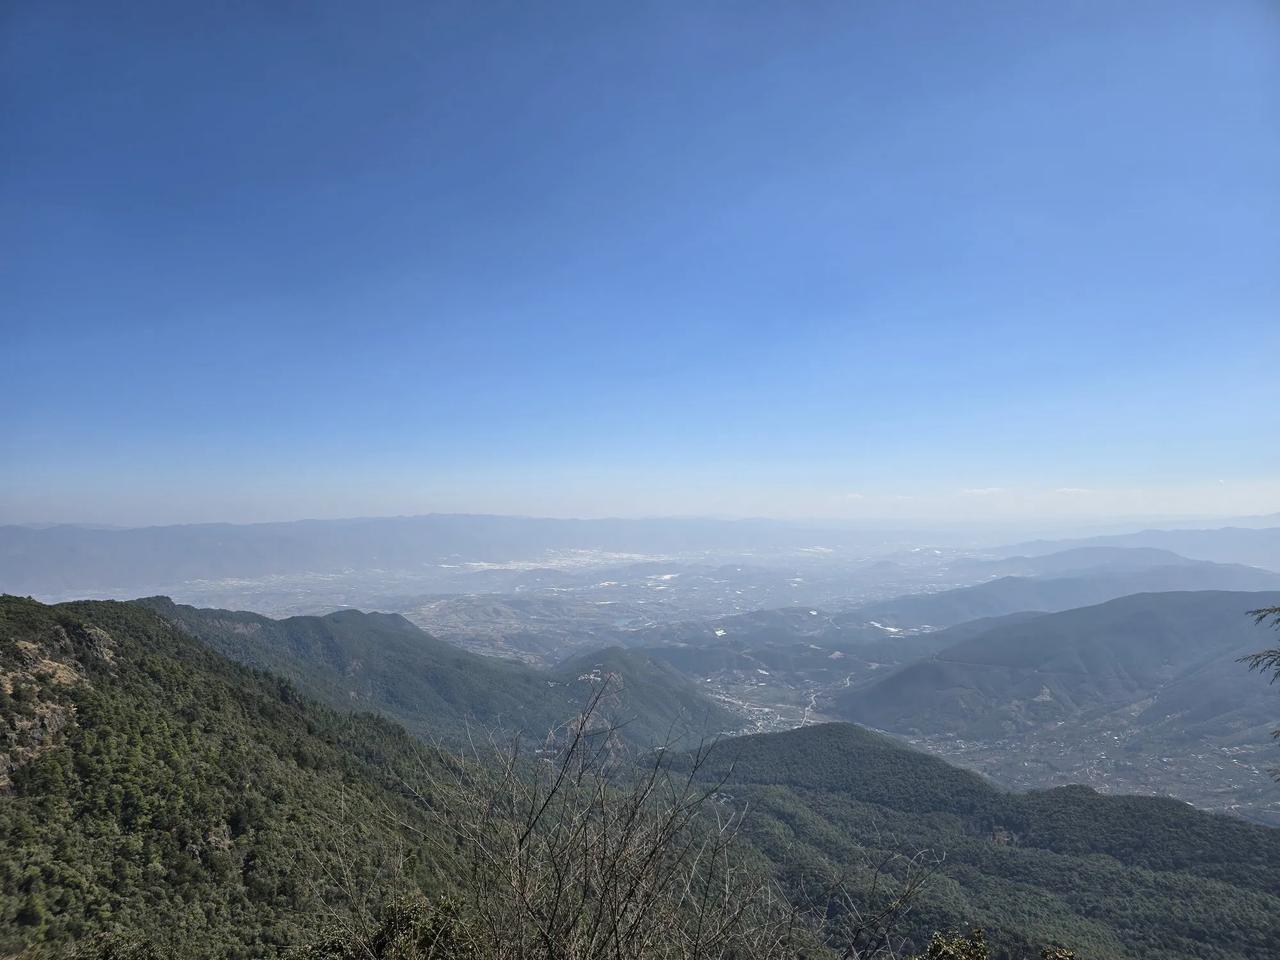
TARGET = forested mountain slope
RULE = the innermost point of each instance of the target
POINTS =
(655, 703)
(155, 788)
(382, 662)
(1113, 877)
(150, 786)
(1178, 650)
(1143, 694)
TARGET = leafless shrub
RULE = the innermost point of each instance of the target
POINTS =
(577, 852)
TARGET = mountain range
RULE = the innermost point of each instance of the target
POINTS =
(1075, 560)
(1052, 593)
(57, 559)
(1175, 650)
(158, 790)
(382, 662)
(1140, 694)
(1259, 547)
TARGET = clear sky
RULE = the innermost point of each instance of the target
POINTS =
(265, 261)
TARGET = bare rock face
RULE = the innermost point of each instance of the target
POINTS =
(35, 678)
(31, 732)
(100, 643)
(218, 837)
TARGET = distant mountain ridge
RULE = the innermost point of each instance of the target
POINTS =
(1011, 594)
(1045, 583)
(1057, 666)
(53, 559)
(1139, 694)
(382, 662)
(1078, 560)
(1259, 547)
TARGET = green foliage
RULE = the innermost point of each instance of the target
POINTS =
(197, 805)
(1266, 661)
(1263, 614)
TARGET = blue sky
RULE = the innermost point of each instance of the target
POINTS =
(819, 259)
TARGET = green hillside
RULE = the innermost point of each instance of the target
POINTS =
(1178, 648)
(652, 700)
(382, 662)
(150, 786)
(1113, 877)
(153, 788)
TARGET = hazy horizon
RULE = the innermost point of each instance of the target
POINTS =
(1083, 526)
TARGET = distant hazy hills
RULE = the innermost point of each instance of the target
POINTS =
(1046, 583)
(56, 559)
(1077, 560)
(1076, 588)
(69, 559)
(1256, 547)
(1167, 659)
(382, 662)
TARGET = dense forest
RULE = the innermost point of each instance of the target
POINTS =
(1110, 876)
(153, 789)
